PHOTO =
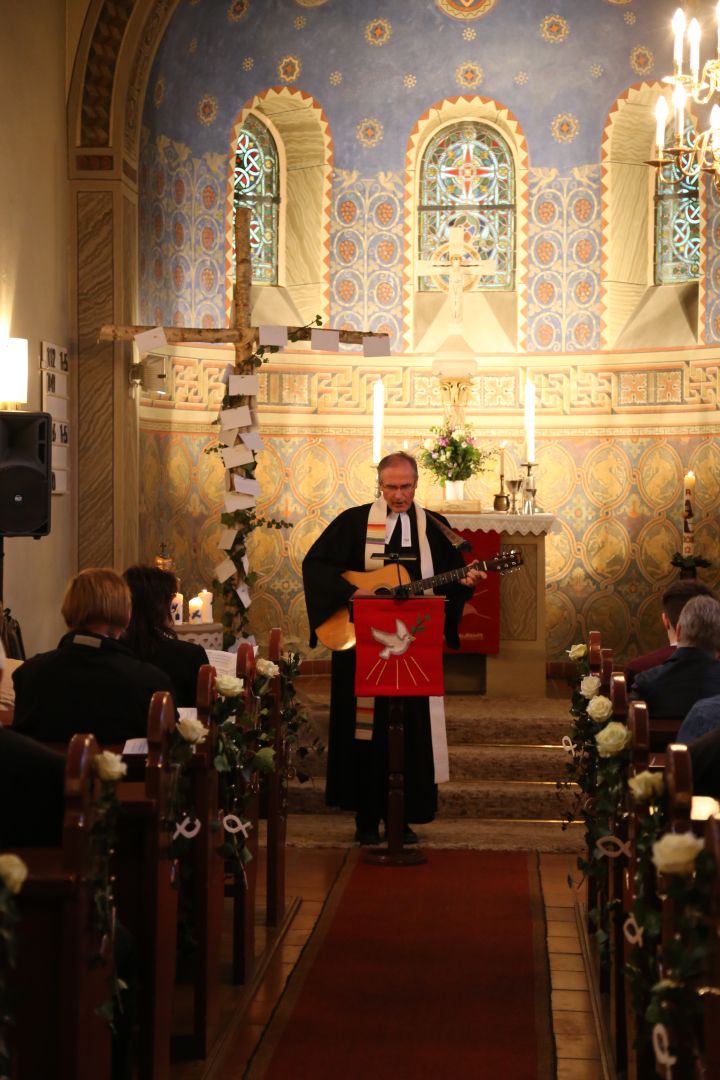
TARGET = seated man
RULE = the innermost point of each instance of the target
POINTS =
(674, 600)
(693, 670)
(703, 718)
(91, 682)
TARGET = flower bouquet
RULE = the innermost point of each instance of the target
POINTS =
(451, 454)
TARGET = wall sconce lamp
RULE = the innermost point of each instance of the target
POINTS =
(14, 371)
(151, 375)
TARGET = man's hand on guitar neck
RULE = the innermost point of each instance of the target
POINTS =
(472, 577)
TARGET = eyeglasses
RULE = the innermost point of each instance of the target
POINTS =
(398, 489)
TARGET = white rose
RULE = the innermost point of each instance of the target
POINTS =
(613, 738)
(429, 444)
(192, 730)
(457, 433)
(13, 872)
(646, 785)
(599, 708)
(267, 668)
(110, 766)
(590, 686)
(228, 685)
(675, 853)
(577, 652)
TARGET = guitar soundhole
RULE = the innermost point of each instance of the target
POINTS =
(383, 591)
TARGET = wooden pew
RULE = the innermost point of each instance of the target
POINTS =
(245, 883)
(146, 889)
(639, 1061)
(711, 1000)
(276, 795)
(606, 670)
(58, 1033)
(594, 652)
(208, 881)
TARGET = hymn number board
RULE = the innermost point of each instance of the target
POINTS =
(55, 375)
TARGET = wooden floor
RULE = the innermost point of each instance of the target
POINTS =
(310, 876)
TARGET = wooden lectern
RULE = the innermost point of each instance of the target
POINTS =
(399, 644)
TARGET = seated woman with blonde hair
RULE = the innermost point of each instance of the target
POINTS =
(151, 636)
(92, 681)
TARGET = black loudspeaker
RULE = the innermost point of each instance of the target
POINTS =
(25, 473)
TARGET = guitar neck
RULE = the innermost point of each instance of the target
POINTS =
(417, 587)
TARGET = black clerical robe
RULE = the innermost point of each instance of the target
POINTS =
(357, 771)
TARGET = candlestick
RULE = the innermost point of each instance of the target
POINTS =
(530, 420)
(679, 99)
(378, 418)
(195, 610)
(207, 600)
(176, 608)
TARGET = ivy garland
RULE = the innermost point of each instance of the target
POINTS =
(235, 618)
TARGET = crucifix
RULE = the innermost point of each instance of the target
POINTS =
(458, 268)
(240, 334)
(244, 338)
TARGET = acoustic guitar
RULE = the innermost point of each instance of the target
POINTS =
(338, 633)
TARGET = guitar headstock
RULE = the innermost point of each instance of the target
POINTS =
(508, 560)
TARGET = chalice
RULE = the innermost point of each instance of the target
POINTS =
(514, 487)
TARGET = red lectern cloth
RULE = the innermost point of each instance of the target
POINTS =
(399, 647)
(480, 624)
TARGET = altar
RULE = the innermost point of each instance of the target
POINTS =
(519, 667)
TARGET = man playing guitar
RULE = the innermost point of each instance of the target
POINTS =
(394, 528)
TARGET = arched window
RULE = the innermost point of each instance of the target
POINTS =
(256, 184)
(467, 179)
(677, 222)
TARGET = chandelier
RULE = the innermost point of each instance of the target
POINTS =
(703, 154)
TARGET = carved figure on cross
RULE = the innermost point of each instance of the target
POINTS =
(458, 268)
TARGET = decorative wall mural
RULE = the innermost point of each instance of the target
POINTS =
(466, 9)
(616, 489)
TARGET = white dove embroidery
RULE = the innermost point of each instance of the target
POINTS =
(395, 644)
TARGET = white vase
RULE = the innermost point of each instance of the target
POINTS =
(454, 490)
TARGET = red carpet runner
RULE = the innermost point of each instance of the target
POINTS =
(429, 971)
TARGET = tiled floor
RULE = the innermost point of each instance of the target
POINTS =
(310, 875)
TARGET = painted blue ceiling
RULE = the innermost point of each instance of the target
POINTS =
(205, 54)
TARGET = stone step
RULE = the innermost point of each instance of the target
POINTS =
(483, 761)
(514, 800)
(509, 731)
(337, 830)
(492, 762)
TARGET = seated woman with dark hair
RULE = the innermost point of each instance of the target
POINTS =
(151, 636)
(91, 682)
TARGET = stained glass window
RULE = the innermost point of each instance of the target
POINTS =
(256, 184)
(677, 223)
(468, 181)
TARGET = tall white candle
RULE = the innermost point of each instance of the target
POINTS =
(530, 420)
(717, 16)
(678, 25)
(694, 39)
(661, 113)
(378, 420)
(195, 609)
(503, 444)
